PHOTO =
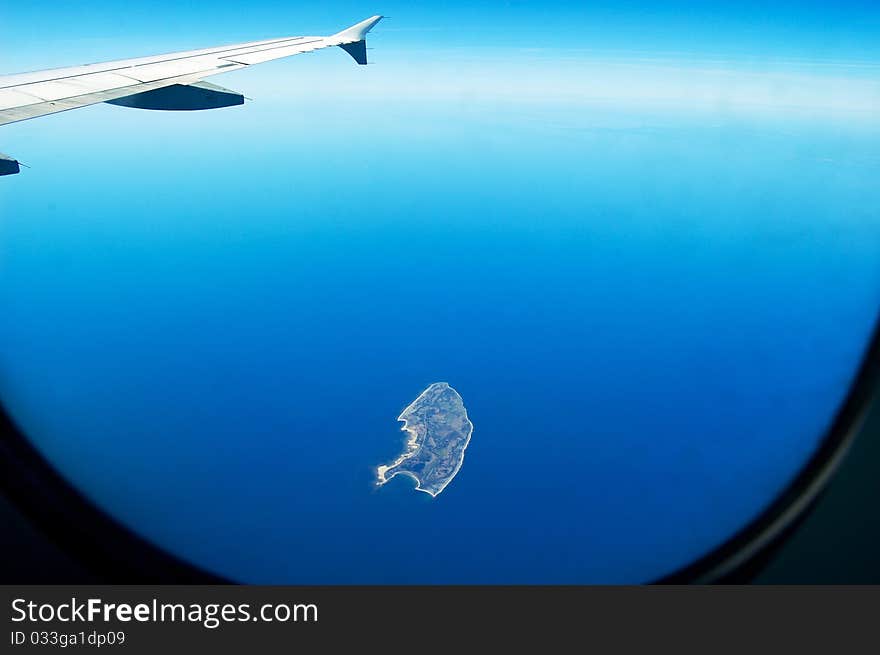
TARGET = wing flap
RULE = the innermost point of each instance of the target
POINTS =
(171, 69)
(39, 108)
(11, 98)
(77, 86)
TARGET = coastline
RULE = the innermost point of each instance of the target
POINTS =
(412, 446)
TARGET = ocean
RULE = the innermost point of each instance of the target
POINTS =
(212, 320)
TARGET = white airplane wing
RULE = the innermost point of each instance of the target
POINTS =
(164, 82)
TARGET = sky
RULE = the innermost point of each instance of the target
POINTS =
(810, 57)
(640, 239)
(749, 28)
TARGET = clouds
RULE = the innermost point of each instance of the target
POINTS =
(498, 80)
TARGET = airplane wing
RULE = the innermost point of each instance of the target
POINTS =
(166, 82)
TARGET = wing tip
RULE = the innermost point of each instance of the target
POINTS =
(358, 31)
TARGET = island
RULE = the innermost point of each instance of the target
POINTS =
(439, 432)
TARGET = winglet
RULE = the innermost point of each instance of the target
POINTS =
(352, 40)
(357, 32)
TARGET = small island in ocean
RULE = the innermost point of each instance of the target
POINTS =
(439, 432)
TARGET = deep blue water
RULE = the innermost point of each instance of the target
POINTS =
(211, 321)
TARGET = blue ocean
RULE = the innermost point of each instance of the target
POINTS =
(651, 275)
